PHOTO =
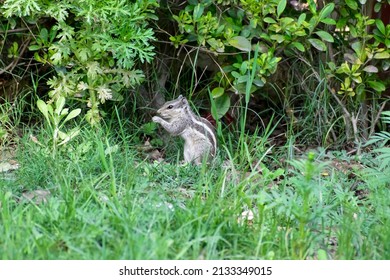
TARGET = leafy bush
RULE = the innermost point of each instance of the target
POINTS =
(94, 46)
(338, 43)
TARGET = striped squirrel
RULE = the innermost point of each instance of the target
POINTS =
(198, 133)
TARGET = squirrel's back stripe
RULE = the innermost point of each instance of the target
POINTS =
(207, 127)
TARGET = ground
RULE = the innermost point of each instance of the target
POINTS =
(101, 197)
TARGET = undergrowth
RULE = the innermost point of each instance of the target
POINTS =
(106, 201)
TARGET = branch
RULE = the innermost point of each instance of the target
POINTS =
(372, 130)
(203, 49)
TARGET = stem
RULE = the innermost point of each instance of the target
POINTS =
(373, 124)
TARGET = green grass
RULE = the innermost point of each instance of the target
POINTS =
(107, 202)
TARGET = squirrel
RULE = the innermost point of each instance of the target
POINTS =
(199, 136)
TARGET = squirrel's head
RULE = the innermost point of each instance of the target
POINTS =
(174, 109)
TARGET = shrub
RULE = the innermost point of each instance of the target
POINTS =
(95, 47)
(336, 44)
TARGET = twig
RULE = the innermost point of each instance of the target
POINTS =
(223, 72)
(16, 30)
(372, 130)
(346, 112)
(182, 66)
(203, 49)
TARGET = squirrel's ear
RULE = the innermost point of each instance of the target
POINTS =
(184, 100)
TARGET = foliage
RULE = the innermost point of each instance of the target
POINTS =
(382, 139)
(56, 118)
(384, 136)
(4, 120)
(95, 46)
(11, 120)
(361, 65)
(337, 34)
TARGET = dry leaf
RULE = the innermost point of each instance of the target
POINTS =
(36, 196)
(34, 139)
(246, 216)
(155, 155)
(146, 147)
(8, 166)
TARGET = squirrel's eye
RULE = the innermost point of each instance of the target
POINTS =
(170, 107)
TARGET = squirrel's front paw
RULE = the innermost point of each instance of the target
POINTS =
(156, 119)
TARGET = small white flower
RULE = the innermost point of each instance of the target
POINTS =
(82, 86)
(104, 93)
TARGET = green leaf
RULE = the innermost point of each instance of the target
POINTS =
(387, 43)
(325, 36)
(344, 68)
(301, 19)
(352, 4)
(222, 105)
(53, 33)
(278, 38)
(281, 6)
(370, 69)
(300, 33)
(50, 109)
(42, 106)
(269, 20)
(377, 7)
(318, 44)
(378, 86)
(381, 27)
(312, 7)
(216, 44)
(74, 113)
(243, 79)
(64, 112)
(244, 67)
(325, 12)
(382, 55)
(329, 21)
(298, 46)
(258, 82)
(386, 65)
(34, 48)
(198, 11)
(286, 21)
(44, 34)
(313, 22)
(60, 103)
(69, 136)
(358, 48)
(240, 43)
(83, 54)
(62, 135)
(217, 92)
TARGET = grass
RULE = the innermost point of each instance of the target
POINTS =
(107, 202)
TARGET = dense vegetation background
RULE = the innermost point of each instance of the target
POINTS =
(298, 93)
